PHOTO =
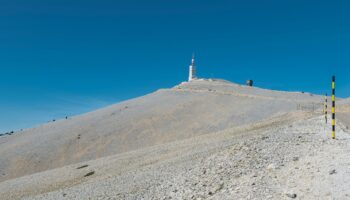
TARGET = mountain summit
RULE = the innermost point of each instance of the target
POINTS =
(190, 109)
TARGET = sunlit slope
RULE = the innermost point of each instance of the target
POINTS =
(343, 111)
(187, 110)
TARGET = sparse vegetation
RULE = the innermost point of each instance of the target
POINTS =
(83, 166)
(90, 174)
(7, 133)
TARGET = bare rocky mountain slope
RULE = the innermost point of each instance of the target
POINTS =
(343, 111)
(285, 157)
(207, 139)
(190, 109)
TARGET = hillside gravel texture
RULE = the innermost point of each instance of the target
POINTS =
(187, 110)
(208, 139)
(343, 112)
(286, 157)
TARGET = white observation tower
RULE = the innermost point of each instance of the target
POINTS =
(192, 74)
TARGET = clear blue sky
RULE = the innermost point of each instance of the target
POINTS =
(61, 58)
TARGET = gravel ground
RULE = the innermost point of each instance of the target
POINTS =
(286, 157)
(208, 139)
(187, 110)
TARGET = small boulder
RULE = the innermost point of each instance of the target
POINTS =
(295, 158)
(271, 166)
(292, 196)
(333, 171)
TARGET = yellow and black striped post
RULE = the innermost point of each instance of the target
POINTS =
(326, 108)
(333, 107)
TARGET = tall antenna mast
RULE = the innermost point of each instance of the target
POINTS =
(192, 72)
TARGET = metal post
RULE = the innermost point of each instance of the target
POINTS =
(326, 108)
(333, 107)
